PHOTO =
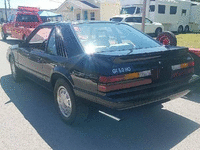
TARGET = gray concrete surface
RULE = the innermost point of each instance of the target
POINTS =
(28, 120)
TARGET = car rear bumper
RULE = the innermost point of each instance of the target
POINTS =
(129, 98)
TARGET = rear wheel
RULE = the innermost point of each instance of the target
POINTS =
(16, 72)
(158, 31)
(3, 35)
(186, 29)
(180, 29)
(71, 110)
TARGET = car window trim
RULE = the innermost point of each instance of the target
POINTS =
(34, 33)
(48, 42)
(58, 38)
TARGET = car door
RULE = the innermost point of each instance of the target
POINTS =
(149, 26)
(30, 57)
(54, 55)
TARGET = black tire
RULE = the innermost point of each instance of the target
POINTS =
(70, 108)
(180, 29)
(16, 72)
(187, 29)
(158, 31)
(167, 36)
(3, 35)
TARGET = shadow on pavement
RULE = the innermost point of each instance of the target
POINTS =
(148, 127)
(194, 95)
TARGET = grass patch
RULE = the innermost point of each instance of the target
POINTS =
(188, 40)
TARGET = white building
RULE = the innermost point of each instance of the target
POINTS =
(89, 9)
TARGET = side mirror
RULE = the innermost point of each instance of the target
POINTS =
(23, 44)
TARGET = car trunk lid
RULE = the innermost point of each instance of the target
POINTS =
(144, 66)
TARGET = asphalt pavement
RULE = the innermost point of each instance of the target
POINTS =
(28, 120)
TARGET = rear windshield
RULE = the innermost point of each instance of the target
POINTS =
(26, 18)
(116, 19)
(98, 37)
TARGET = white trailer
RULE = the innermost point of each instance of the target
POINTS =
(195, 17)
(175, 15)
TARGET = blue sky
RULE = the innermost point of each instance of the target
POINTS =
(43, 4)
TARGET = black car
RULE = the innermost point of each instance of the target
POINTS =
(111, 64)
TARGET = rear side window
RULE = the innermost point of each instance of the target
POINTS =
(51, 48)
(27, 18)
(138, 11)
(173, 10)
(161, 9)
(134, 19)
(116, 19)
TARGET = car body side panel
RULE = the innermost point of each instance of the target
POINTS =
(23, 59)
(54, 65)
(149, 28)
(58, 70)
(36, 62)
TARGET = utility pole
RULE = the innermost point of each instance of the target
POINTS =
(8, 4)
(6, 11)
(143, 15)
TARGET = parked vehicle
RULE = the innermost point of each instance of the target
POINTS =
(175, 15)
(22, 23)
(136, 22)
(108, 63)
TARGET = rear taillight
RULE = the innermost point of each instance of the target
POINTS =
(119, 86)
(183, 65)
(111, 79)
(112, 83)
(191, 64)
(104, 79)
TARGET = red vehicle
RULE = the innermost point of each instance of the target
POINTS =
(22, 23)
